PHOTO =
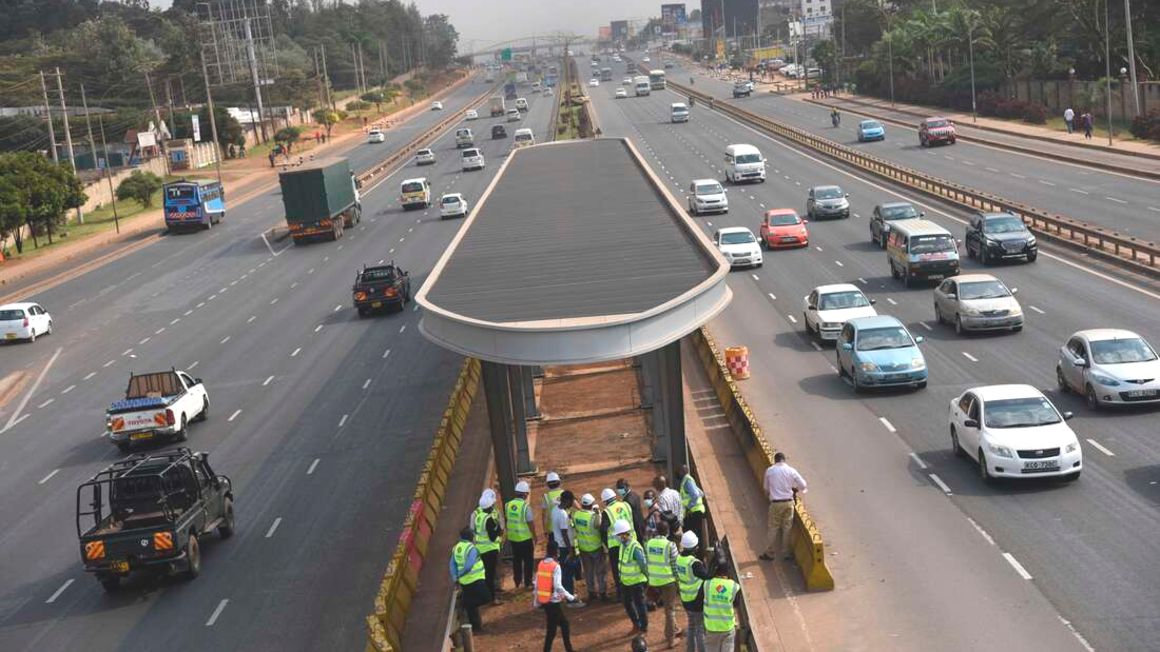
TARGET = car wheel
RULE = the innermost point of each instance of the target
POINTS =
(204, 410)
(984, 472)
(124, 446)
(183, 434)
(226, 529)
(1093, 401)
(192, 558)
(983, 257)
(31, 335)
(49, 331)
(1061, 381)
(955, 445)
(362, 312)
(1031, 257)
(893, 272)
(111, 583)
(959, 330)
(838, 364)
(938, 318)
(921, 385)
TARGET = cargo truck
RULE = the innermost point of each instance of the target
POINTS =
(509, 91)
(321, 199)
(496, 106)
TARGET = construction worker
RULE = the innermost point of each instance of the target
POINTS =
(691, 576)
(467, 571)
(518, 516)
(587, 524)
(564, 535)
(487, 539)
(614, 510)
(692, 501)
(720, 619)
(551, 497)
(661, 555)
(547, 596)
(634, 503)
(633, 575)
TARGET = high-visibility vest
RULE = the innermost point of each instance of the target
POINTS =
(660, 565)
(483, 542)
(688, 583)
(618, 511)
(630, 573)
(587, 530)
(544, 573)
(460, 554)
(551, 498)
(692, 506)
(719, 594)
(517, 525)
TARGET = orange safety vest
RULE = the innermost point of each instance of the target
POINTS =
(544, 574)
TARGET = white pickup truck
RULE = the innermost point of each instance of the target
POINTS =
(156, 406)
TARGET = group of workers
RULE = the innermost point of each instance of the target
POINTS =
(652, 547)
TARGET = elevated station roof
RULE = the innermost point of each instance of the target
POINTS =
(575, 253)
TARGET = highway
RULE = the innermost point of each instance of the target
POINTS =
(914, 532)
(1129, 205)
(321, 419)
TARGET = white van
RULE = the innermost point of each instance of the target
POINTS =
(523, 138)
(642, 86)
(680, 112)
(744, 163)
(464, 138)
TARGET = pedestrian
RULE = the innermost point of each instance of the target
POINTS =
(467, 571)
(652, 514)
(1069, 119)
(691, 576)
(1087, 125)
(551, 496)
(633, 576)
(242, 150)
(720, 619)
(615, 510)
(565, 538)
(587, 523)
(548, 595)
(518, 516)
(633, 500)
(487, 539)
(782, 484)
(272, 156)
(668, 498)
(692, 502)
(661, 555)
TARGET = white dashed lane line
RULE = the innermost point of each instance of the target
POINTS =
(49, 476)
(918, 461)
(1017, 566)
(273, 527)
(1037, 310)
(267, 381)
(225, 339)
(342, 421)
(772, 297)
(313, 465)
(1077, 190)
(1114, 199)
(191, 366)
(367, 383)
(891, 301)
(1101, 448)
(886, 423)
(792, 319)
(402, 328)
(45, 404)
(218, 611)
(57, 593)
(89, 375)
(318, 328)
(68, 389)
(970, 357)
(941, 485)
(296, 352)
(235, 414)
(386, 353)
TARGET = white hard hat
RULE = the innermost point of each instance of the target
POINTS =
(553, 477)
(607, 495)
(620, 527)
(522, 487)
(689, 540)
(487, 498)
(587, 500)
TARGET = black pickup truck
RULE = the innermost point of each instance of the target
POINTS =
(379, 288)
(151, 513)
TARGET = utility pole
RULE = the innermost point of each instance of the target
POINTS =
(1108, 68)
(72, 161)
(326, 78)
(254, 74)
(48, 113)
(217, 148)
(157, 115)
(362, 67)
(1131, 54)
(92, 145)
(169, 103)
(109, 175)
(382, 64)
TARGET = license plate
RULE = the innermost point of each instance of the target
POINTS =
(377, 304)
(1045, 464)
(121, 566)
(1140, 393)
(935, 277)
(141, 435)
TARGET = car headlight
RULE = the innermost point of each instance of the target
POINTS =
(727, 255)
(992, 243)
(1001, 451)
(1107, 381)
(1071, 448)
(1031, 241)
(868, 366)
(970, 310)
(831, 324)
(917, 363)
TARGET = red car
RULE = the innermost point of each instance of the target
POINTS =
(936, 130)
(782, 228)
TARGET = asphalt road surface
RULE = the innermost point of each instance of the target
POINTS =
(321, 419)
(1005, 565)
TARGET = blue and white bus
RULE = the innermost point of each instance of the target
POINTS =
(191, 204)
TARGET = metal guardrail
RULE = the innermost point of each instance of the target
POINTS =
(1139, 254)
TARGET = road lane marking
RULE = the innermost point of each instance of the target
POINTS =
(313, 465)
(273, 527)
(386, 353)
(1082, 641)
(1082, 192)
(68, 389)
(416, 308)
(925, 325)
(45, 404)
(159, 331)
(295, 353)
(235, 414)
(1118, 201)
(318, 328)
(110, 362)
(342, 421)
(273, 301)
(127, 351)
(267, 381)
(886, 423)
(817, 247)
(817, 347)
(211, 297)
(190, 367)
(200, 305)
(792, 318)
(839, 263)
(225, 339)
(252, 318)
(1100, 447)
(970, 357)
(310, 271)
(367, 383)
(991, 169)
(918, 461)
(16, 418)
(862, 281)
(187, 313)
(755, 277)
(981, 531)
(1016, 565)
(90, 375)
(49, 476)
(337, 308)
(1154, 209)
(294, 285)
(56, 595)
(1017, 176)
(772, 297)
(233, 283)
(1037, 310)
(1046, 183)
(402, 328)
(217, 612)
(891, 301)
(941, 485)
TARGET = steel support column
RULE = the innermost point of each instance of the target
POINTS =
(527, 377)
(672, 401)
(499, 414)
(519, 420)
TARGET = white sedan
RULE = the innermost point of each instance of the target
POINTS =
(828, 307)
(24, 321)
(471, 115)
(594, 82)
(739, 246)
(1013, 431)
(376, 136)
(627, 81)
(436, 106)
(452, 205)
(1109, 366)
(621, 93)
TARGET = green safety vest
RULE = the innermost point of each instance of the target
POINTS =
(551, 498)
(483, 542)
(695, 506)
(719, 594)
(587, 531)
(630, 574)
(476, 573)
(689, 584)
(660, 565)
(517, 524)
(618, 511)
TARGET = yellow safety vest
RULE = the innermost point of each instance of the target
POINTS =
(618, 511)
(551, 498)
(517, 525)
(719, 594)
(587, 531)
(691, 506)
(630, 574)
(687, 582)
(476, 573)
(483, 542)
(660, 565)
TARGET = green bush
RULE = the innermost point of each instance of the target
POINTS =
(1146, 126)
(358, 105)
(139, 186)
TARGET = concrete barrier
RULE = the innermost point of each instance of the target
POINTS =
(808, 546)
(400, 581)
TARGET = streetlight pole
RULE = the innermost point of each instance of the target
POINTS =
(1131, 54)
(890, 50)
(1108, 70)
(971, 49)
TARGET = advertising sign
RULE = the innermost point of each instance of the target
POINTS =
(619, 30)
(673, 17)
(604, 33)
(196, 123)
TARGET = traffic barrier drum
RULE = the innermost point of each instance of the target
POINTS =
(737, 360)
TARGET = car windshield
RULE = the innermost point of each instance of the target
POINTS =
(842, 301)
(784, 219)
(870, 124)
(709, 189)
(468, 153)
(425, 152)
(930, 244)
(937, 123)
(1120, 351)
(983, 290)
(378, 274)
(450, 200)
(832, 192)
(749, 158)
(412, 186)
(1005, 224)
(737, 238)
(898, 212)
(1020, 413)
(523, 136)
(877, 339)
(9, 315)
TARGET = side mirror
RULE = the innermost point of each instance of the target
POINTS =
(971, 423)
(805, 221)
(1014, 290)
(847, 195)
(919, 339)
(922, 213)
(1068, 415)
(197, 381)
(952, 296)
(1080, 362)
(873, 301)
(811, 307)
(846, 346)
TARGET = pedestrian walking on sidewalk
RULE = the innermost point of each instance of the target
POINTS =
(633, 500)
(691, 576)
(565, 538)
(633, 576)
(1069, 119)
(551, 497)
(272, 156)
(1087, 125)
(549, 593)
(692, 502)
(661, 555)
(487, 539)
(467, 571)
(587, 523)
(720, 618)
(615, 510)
(782, 485)
(518, 515)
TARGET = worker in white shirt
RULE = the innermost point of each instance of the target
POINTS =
(668, 499)
(549, 593)
(564, 535)
(782, 485)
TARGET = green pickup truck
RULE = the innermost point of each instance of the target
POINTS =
(150, 513)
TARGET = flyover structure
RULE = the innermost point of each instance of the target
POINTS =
(575, 254)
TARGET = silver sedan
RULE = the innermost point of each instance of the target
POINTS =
(977, 302)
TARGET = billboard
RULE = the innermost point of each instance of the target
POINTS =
(673, 17)
(605, 33)
(619, 30)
